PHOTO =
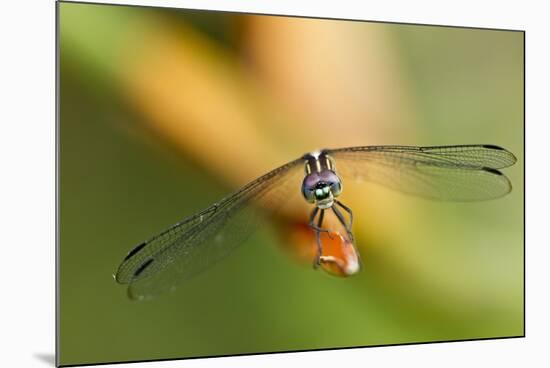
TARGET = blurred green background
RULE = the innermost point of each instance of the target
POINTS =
(163, 112)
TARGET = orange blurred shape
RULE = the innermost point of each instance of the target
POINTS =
(339, 256)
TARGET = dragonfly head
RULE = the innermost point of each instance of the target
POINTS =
(321, 188)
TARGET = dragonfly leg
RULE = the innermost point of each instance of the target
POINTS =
(343, 220)
(312, 216)
(318, 229)
(348, 210)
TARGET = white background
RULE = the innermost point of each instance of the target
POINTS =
(27, 182)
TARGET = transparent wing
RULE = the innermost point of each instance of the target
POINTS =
(455, 173)
(199, 241)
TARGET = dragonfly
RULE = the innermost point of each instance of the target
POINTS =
(448, 173)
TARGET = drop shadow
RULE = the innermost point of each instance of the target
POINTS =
(46, 358)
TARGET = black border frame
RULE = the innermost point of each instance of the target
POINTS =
(57, 171)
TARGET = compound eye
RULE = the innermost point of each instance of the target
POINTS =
(308, 193)
(309, 187)
(309, 196)
(336, 188)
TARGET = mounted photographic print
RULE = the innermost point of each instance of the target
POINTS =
(233, 183)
